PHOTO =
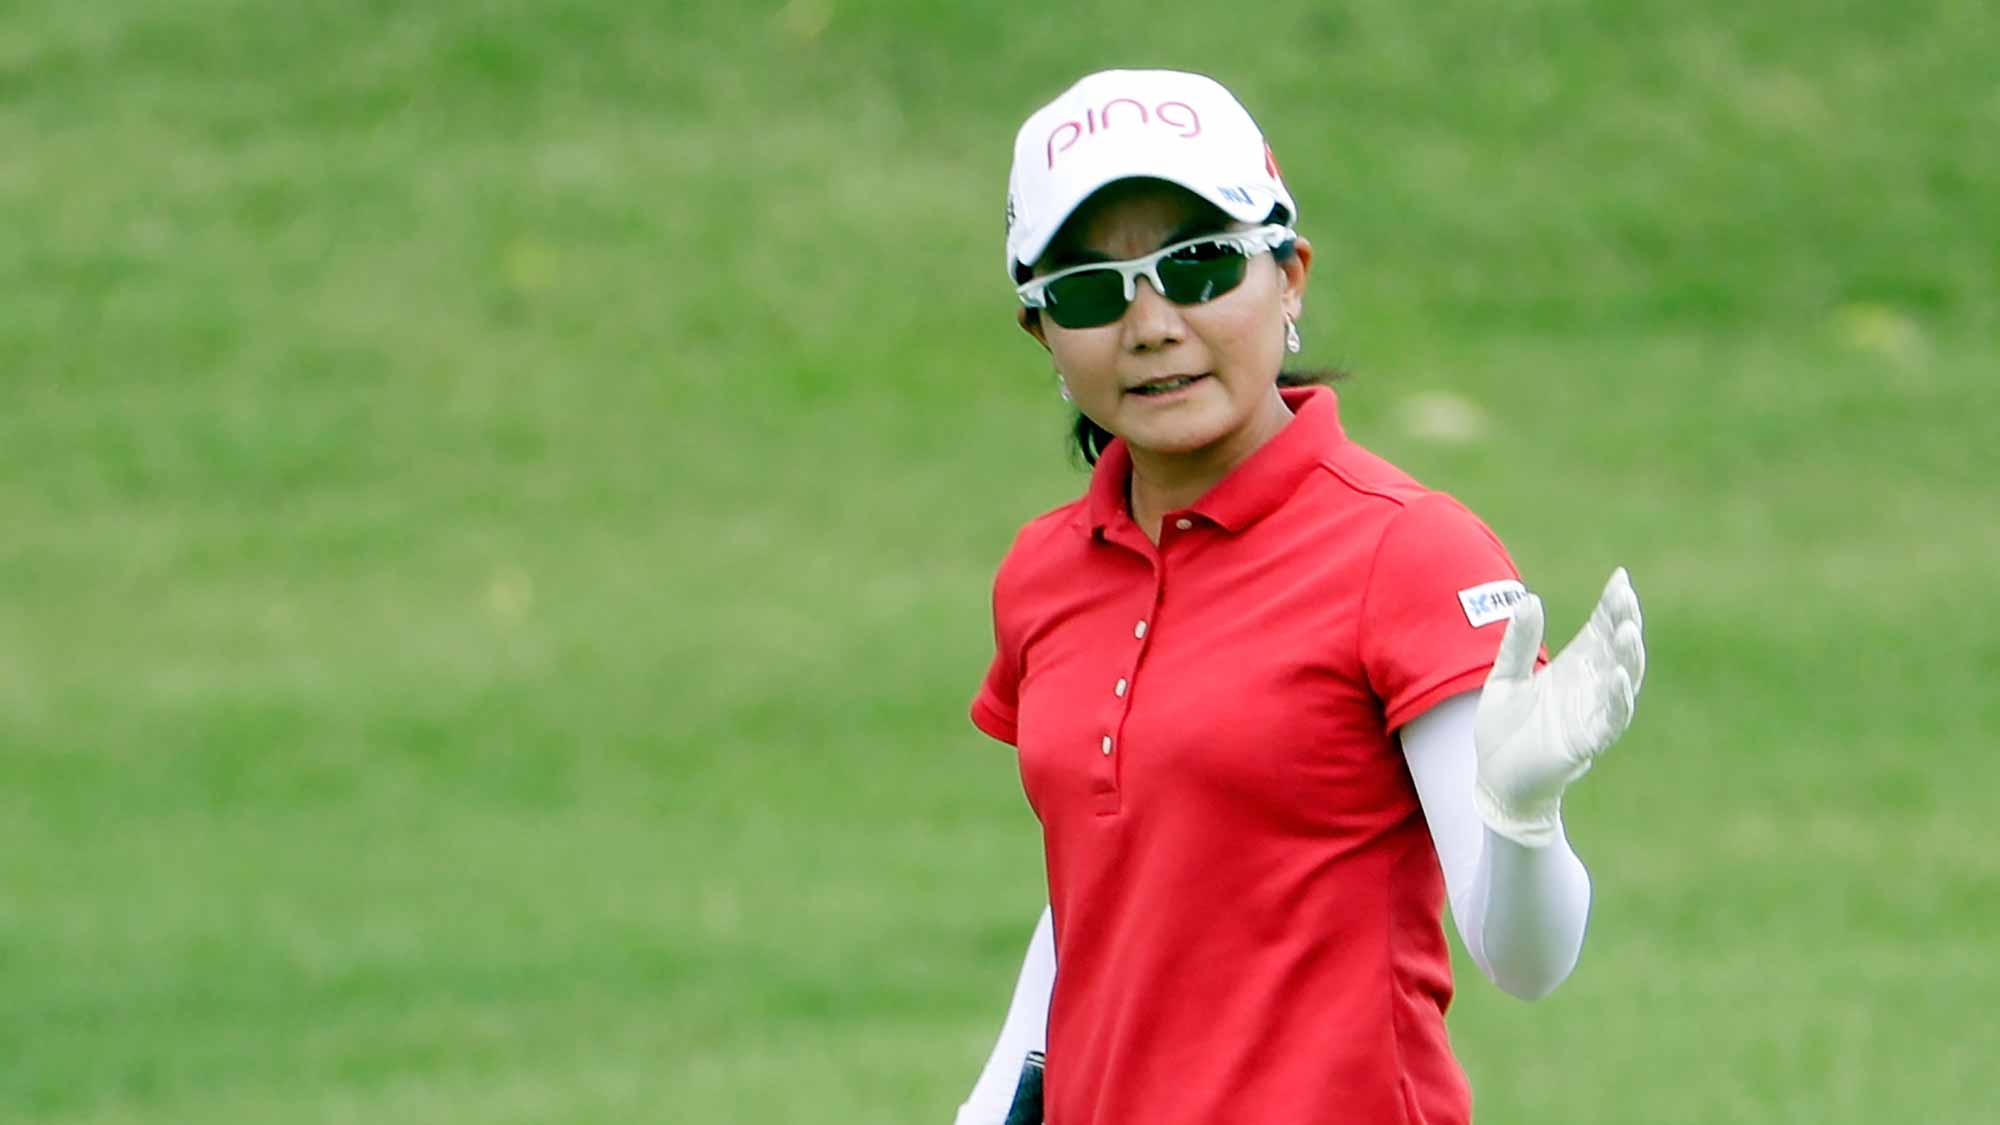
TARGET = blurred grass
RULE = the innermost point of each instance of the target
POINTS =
(497, 501)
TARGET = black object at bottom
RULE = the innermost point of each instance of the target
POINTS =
(1027, 1107)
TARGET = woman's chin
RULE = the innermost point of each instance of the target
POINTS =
(1172, 439)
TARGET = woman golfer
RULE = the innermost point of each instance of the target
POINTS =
(1274, 701)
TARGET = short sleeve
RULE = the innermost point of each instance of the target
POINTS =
(994, 707)
(1439, 595)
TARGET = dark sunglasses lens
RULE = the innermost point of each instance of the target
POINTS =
(1087, 299)
(1202, 273)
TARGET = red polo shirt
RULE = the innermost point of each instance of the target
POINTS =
(1248, 907)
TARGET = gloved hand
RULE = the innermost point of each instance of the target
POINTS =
(1538, 731)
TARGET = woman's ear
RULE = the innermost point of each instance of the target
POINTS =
(1031, 323)
(1296, 269)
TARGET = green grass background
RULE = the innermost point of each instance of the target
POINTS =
(497, 502)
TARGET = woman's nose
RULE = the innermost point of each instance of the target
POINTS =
(1152, 322)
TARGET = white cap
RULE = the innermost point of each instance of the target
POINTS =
(1118, 124)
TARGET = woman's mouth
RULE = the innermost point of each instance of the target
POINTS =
(1161, 388)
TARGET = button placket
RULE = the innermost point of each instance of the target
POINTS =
(1108, 798)
(1122, 689)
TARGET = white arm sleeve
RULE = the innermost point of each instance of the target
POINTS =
(1026, 1029)
(1520, 911)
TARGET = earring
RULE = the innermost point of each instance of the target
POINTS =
(1292, 343)
(1062, 388)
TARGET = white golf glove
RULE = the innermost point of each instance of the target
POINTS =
(1538, 731)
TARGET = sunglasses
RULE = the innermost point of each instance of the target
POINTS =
(1186, 273)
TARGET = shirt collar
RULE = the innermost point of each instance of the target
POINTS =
(1253, 489)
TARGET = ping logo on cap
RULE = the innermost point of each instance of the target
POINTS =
(1493, 601)
(1172, 113)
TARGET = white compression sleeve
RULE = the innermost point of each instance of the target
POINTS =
(1025, 1029)
(1521, 911)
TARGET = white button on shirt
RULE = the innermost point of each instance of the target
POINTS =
(1183, 523)
(1139, 630)
(1107, 744)
(1118, 689)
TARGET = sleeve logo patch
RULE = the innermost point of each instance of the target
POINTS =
(1494, 601)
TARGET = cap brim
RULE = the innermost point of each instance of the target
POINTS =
(1251, 204)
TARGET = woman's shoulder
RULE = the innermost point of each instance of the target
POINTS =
(1046, 540)
(1402, 504)
(1363, 471)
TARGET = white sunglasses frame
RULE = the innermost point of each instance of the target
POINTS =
(1252, 242)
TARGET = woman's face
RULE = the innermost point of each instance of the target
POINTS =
(1122, 375)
